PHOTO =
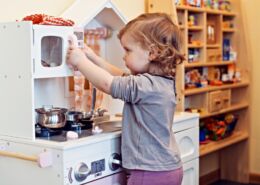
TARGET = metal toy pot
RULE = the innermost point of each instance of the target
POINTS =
(51, 117)
(74, 116)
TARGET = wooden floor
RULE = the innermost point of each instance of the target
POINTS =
(222, 182)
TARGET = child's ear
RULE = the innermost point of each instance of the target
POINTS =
(153, 53)
(152, 56)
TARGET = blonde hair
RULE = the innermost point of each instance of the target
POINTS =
(157, 33)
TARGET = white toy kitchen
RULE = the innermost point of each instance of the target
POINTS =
(34, 74)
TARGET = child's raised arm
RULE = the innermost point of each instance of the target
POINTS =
(113, 70)
(99, 77)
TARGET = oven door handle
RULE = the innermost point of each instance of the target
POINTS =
(43, 159)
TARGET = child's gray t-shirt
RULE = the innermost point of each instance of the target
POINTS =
(148, 142)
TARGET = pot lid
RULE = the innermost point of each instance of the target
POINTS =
(51, 109)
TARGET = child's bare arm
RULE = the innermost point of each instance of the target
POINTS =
(99, 77)
(113, 70)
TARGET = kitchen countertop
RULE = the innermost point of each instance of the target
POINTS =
(179, 117)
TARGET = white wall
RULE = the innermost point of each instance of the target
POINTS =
(12, 10)
(131, 8)
(251, 11)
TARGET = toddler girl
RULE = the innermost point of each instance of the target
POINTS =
(152, 45)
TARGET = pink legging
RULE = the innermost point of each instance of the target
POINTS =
(140, 177)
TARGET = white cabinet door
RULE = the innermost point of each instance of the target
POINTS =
(188, 143)
(191, 172)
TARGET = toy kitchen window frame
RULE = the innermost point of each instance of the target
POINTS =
(27, 85)
(48, 35)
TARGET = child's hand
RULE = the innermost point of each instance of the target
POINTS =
(90, 53)
(74, 56)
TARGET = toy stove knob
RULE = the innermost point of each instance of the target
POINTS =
(81, 172)
(115, 161)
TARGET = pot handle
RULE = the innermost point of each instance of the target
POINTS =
(47, 107)
(93, 103)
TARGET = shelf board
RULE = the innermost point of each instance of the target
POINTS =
(214, 146)
(213, 45)
(207, 64)
(195, 28)
(226, 13)
(228, 30)
(203, 9)
(213, 11)
(190, 8)
(234, 107)
(223, 12)
(188, 92)
(194, 46)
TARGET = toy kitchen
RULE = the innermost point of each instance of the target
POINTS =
(72, 147)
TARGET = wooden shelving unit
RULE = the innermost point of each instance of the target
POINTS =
(199, 47)
(200, 97)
